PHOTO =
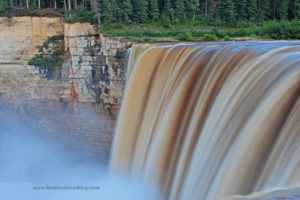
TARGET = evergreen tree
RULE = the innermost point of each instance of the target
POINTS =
(297, 9)
(265, 10)
(140, 11)
(204, 6)
(126, 11)
(109, 10)
(193, 6)
(226, 11)
(241, 9)
(180, 11)
(291, 10)
(274, 8)
(153, 10)
(282, 10)
(167, 13)
(252, 10)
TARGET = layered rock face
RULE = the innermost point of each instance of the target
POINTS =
(79, 100)
(20, 36)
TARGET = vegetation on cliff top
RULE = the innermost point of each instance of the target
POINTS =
(232, 13)
(180, 19)
(186, 32)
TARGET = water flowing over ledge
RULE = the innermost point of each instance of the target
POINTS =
(208, 121)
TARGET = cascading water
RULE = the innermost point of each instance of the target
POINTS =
(209, 121)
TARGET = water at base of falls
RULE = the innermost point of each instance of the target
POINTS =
(37, 166)
(213, 120)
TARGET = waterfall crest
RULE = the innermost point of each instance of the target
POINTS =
(213, 120)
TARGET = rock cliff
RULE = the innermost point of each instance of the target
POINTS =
(90, 80)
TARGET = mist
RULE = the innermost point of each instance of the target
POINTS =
(33, 166)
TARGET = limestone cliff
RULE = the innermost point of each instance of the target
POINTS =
(98, 76)
(91, 78)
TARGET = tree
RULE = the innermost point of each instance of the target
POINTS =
(153, 10)
(265, 10)
(297, 9)
(96, 8)
(126, 11)
(180, 10)
(214, 12)
(193, 6)
(206, 7)
(282, 10)
(241, 9)
(110, 9)
(140, 11)
(167, 13)
(252, 10)
(226, 11)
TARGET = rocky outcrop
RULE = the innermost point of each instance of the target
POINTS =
(101, 65)
(97, 73)
(91, 79)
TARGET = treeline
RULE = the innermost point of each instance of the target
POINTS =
(40, 4)
(217, 12)
(210, 12)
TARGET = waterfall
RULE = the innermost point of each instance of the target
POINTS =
(135, 54)
(212, 120)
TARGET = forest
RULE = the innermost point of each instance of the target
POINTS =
(280, 16)
(215, 12)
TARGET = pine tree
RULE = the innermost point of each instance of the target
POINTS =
(140, 11)
(297, 9)
(282, 10)
(204, 6)
(265, 10)
(126, 11)
(252, 10)
(241, 9)
(226, 11)
(180, 11)
(193, 6)
(274, 8)
(153, 10)
(107, 13)
(167, 14)
(95, 8)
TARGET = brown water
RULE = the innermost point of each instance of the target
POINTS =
(208, 121)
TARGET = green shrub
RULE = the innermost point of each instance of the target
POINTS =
(241, 33)
(44, 60)
(227, 38)
(210, 37)
(214, 30)
(53, 55)
(221, 34)
(242, 24)
(273, 29)
(280, 30)
(187, 36)
(58, 52)
(52, 39)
